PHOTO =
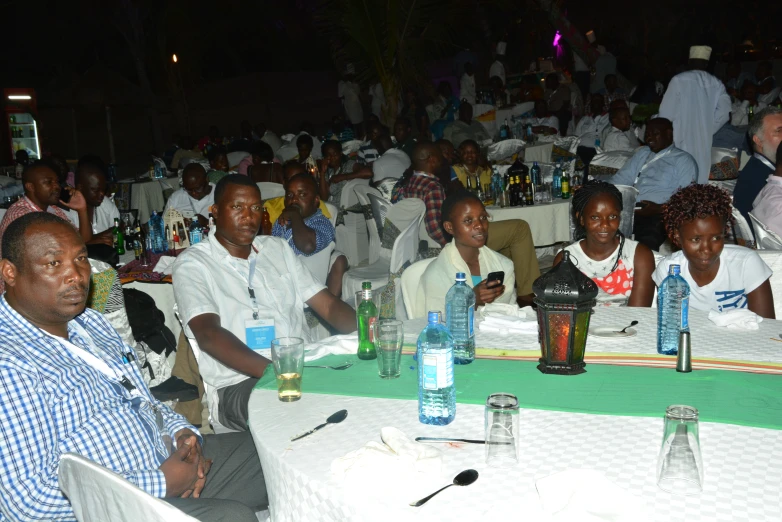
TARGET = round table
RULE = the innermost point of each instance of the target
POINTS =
(743, 464)
(548, 222)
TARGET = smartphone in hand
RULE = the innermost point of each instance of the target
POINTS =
(495, 276)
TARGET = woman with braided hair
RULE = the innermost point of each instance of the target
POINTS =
(721, 277)
(621, 268)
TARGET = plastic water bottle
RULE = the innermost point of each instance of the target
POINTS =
(459, 317)
(156, 233)
(535, 173)
(436, 389)
(673, 303)
(556, 181)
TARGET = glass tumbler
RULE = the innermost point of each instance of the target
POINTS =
(502, 428)
(679, 465)
(389, 336)
(288, 360)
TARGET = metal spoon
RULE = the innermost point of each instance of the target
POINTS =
(465, 478)
(340, 367)
(335, 418)
(628, 326)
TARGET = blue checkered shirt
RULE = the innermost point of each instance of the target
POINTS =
(324, 232)
(53, 402)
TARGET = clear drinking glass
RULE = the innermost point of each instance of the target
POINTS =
(502, 428)
(288, 360)
(389, 337)
(679, 465)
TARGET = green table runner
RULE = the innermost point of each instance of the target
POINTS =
(720, 396)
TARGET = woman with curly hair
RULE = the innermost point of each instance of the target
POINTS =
(721, 277)
(621, 268)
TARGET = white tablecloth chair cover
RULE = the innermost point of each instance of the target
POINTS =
(333, 210)
(540, 153)
(773, 258)
(146, 197)
(411, 282)
(362, 193)
(380, 206)
(765, 238)
(742, 229)
(629, 195)
(351, 230)
(97, 493)
(236, 157)
(270, 190)
(319, 263)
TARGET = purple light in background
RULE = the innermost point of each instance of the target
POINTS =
(557, 37)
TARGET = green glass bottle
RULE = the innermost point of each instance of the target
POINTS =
(119, 237)
(366, 316)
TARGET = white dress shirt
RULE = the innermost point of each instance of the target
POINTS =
(392, 164)
(590, 128)
(497, 69)
(698, 105)
(208, 280)
(767, 206)
(620, 140)
(467, 88)
(102, 217)
(545, 121)
(189, 207)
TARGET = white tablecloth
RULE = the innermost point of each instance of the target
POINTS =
(540, 153)
(549, 223)
(146, 196)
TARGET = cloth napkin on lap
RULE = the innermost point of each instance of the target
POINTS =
(741, 319)
(398, 464)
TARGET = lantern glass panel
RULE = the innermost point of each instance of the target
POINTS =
(559, 335)
(579, 342)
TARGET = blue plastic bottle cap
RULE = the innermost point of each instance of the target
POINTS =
(460, 276)
(674, 269)
(434, 317)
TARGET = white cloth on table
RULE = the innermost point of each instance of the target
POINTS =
(736, 319)
(208, 280)
(698, 105)
(741, 271)
(540, 153)
(189, 206)
(503, 324)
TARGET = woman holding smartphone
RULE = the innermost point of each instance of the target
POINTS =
(466, 221)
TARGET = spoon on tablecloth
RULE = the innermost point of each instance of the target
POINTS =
(465, 478)
(334, 418)
(628, 326)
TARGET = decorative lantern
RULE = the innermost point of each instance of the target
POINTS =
(565, 298)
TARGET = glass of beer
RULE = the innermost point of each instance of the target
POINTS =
(288, 360)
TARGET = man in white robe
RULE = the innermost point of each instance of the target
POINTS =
(698, 105)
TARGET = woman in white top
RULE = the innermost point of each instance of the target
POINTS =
(621, 268)
(465, 219)
(721, 277)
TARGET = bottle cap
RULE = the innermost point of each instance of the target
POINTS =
(460, 276)
(674, 270)
(434, 317)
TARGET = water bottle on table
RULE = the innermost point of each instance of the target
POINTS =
(436, 389)
(673, 299)
(459, 318)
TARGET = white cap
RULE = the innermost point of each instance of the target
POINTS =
(700, 52)
(591, 36)
(501, 48)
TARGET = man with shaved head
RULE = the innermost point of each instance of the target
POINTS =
(101, 211)
(195, 197)
(302, 224)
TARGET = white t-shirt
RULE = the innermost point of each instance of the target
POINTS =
(189, 207)
(208, 280)
(102, 217)
(741, 271)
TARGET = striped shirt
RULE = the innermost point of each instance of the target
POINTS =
(324, 232)
(53, 402)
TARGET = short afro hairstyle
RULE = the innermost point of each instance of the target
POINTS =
(232, 179)
(453, 199)
(13, 237)
(304, 139)
(696, 201)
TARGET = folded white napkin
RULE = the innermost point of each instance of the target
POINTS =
(164, 265)
(736, 319)
(335, 345)
(398, 464)
(508, 319)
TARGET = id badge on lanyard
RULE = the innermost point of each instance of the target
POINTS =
(258, 331)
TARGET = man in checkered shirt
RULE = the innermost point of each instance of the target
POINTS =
(69, 384)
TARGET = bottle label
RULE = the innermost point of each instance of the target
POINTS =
(438, 373)
(565, 186)
(471, 319)
(371, 327)
(685, 322)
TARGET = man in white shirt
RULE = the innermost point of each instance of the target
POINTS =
(620, 137)
(767, 206)
(543, 122)
(698, 105)
(263, 134)
(91, 181)
(196, 196)
(350, 94)
(392, 162)
(467, 84)
(498, 67)
(236, 292)
(739, 110)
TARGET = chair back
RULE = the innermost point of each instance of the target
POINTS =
(97, 493)
(333, 210)
(318, 263)
(773, 258)
(362, 193)
(629, 196)
(380, 206)
(405, 217)
(236, 157)
(270, 190)
(411, 284)
(742, 230)
(765, 238)
(351, 231)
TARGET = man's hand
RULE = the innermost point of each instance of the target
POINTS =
(196, 454)
(104, 238)
(181, 469)
(288, 215)
(485, 294)
(77, 201)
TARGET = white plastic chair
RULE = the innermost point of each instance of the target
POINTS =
(362, 193)
(236, 157)
(629, 195)
(270, 190)
(333, 210)
(773, 258)
(406, 216)
(380, 206)
(742, 230)
(318, 263)
(411, 283)
(98, 494)
(765, 238)
(352, 238)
